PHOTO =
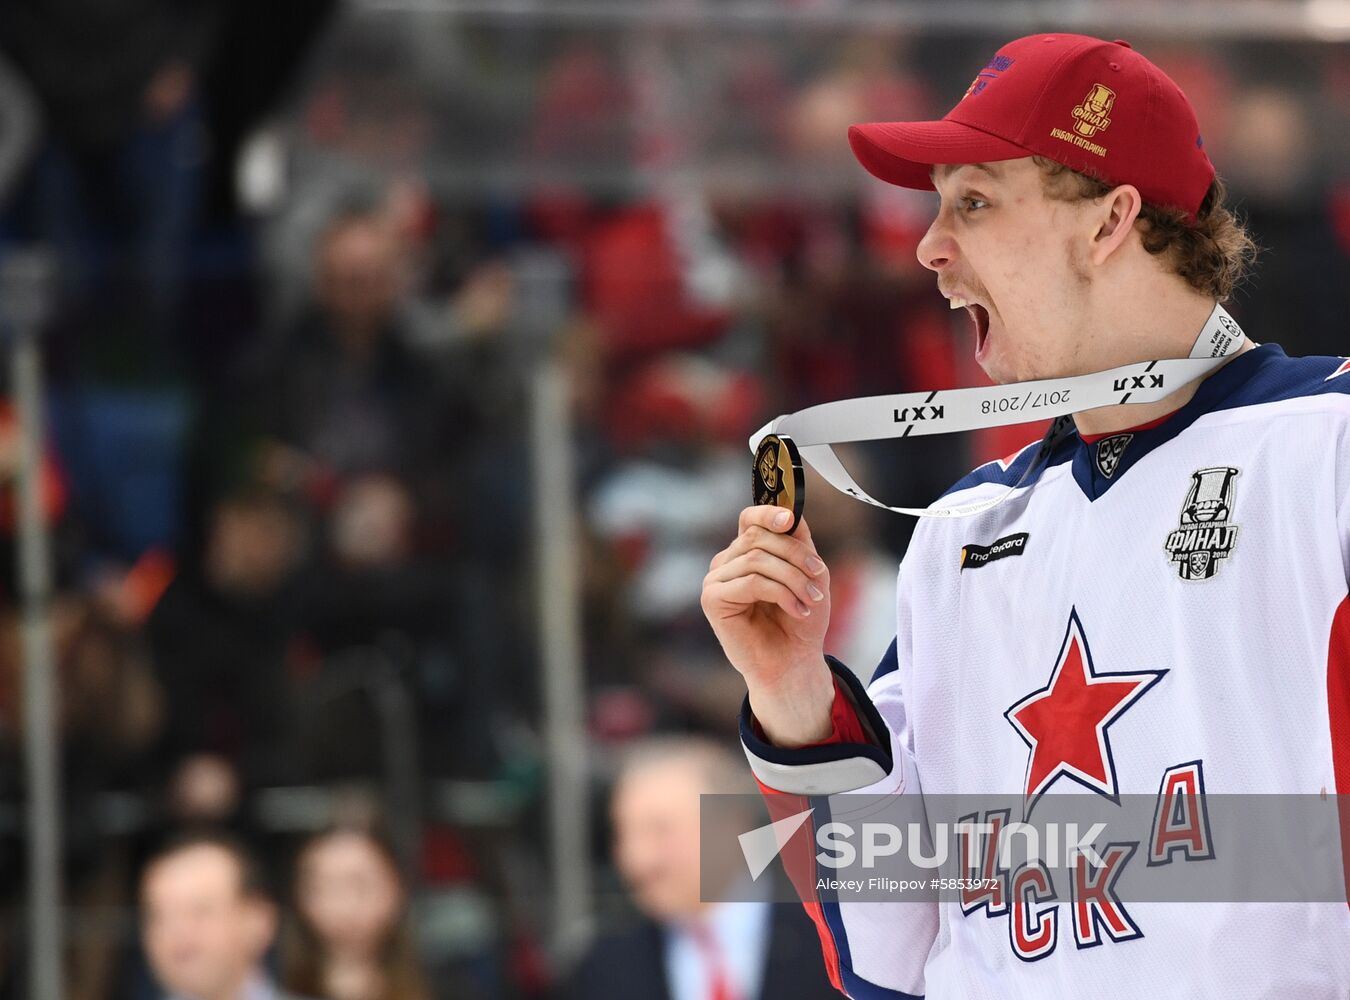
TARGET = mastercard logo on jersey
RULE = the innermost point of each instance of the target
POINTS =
(974, 556)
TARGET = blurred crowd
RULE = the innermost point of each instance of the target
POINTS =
(305, 262)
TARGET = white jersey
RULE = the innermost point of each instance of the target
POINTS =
(1199, 570)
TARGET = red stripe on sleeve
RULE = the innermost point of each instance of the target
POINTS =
(799, 861)
(845, 725)
(1338, 706)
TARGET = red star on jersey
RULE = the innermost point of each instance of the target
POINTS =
(1065, 722)
(1345, 367)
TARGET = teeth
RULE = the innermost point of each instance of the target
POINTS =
(956, 302)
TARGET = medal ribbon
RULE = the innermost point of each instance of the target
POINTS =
(947, 411)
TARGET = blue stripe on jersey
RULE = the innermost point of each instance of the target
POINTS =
(889, 662)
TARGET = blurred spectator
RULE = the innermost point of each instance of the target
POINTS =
(207, 922)
(369, 423)
(345, 390)
(349, 392)
(656, 278)
(684, 947)
(221, 637)
(351, 937)
(584, 106)
(113, 192)
(111, 708)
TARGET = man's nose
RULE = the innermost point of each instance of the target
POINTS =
(937, 249)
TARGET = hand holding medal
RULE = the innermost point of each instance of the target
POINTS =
(767, 594)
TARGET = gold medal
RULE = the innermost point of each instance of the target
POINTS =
(777, 477)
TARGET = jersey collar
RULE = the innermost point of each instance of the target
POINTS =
(1102, 460)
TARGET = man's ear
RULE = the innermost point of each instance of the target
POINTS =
(1113, 220)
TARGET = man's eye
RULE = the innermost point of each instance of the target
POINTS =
(969, 204)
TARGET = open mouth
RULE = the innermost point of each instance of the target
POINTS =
(980, 316)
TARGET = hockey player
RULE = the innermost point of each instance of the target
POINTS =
(1164, 600)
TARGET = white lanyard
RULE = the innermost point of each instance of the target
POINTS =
(945, 411)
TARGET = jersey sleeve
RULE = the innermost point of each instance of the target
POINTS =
(1343, 493)
(871, 949)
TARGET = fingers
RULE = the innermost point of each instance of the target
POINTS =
(763, 563)
(753, 588)
(797, 548)
(785, 547)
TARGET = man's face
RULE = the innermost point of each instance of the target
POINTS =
(1018, 258)
(358, 274)
(202, 934)
(656, 838)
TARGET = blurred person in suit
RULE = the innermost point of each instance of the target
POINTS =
(686, 947)
(207, 921)
(350, 937)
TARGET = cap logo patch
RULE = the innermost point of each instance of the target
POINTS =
(1093, 115)
(995, 66)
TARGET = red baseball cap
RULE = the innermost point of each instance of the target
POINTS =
(1097, 107)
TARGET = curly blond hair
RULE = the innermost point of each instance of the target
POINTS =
(1212, 252)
